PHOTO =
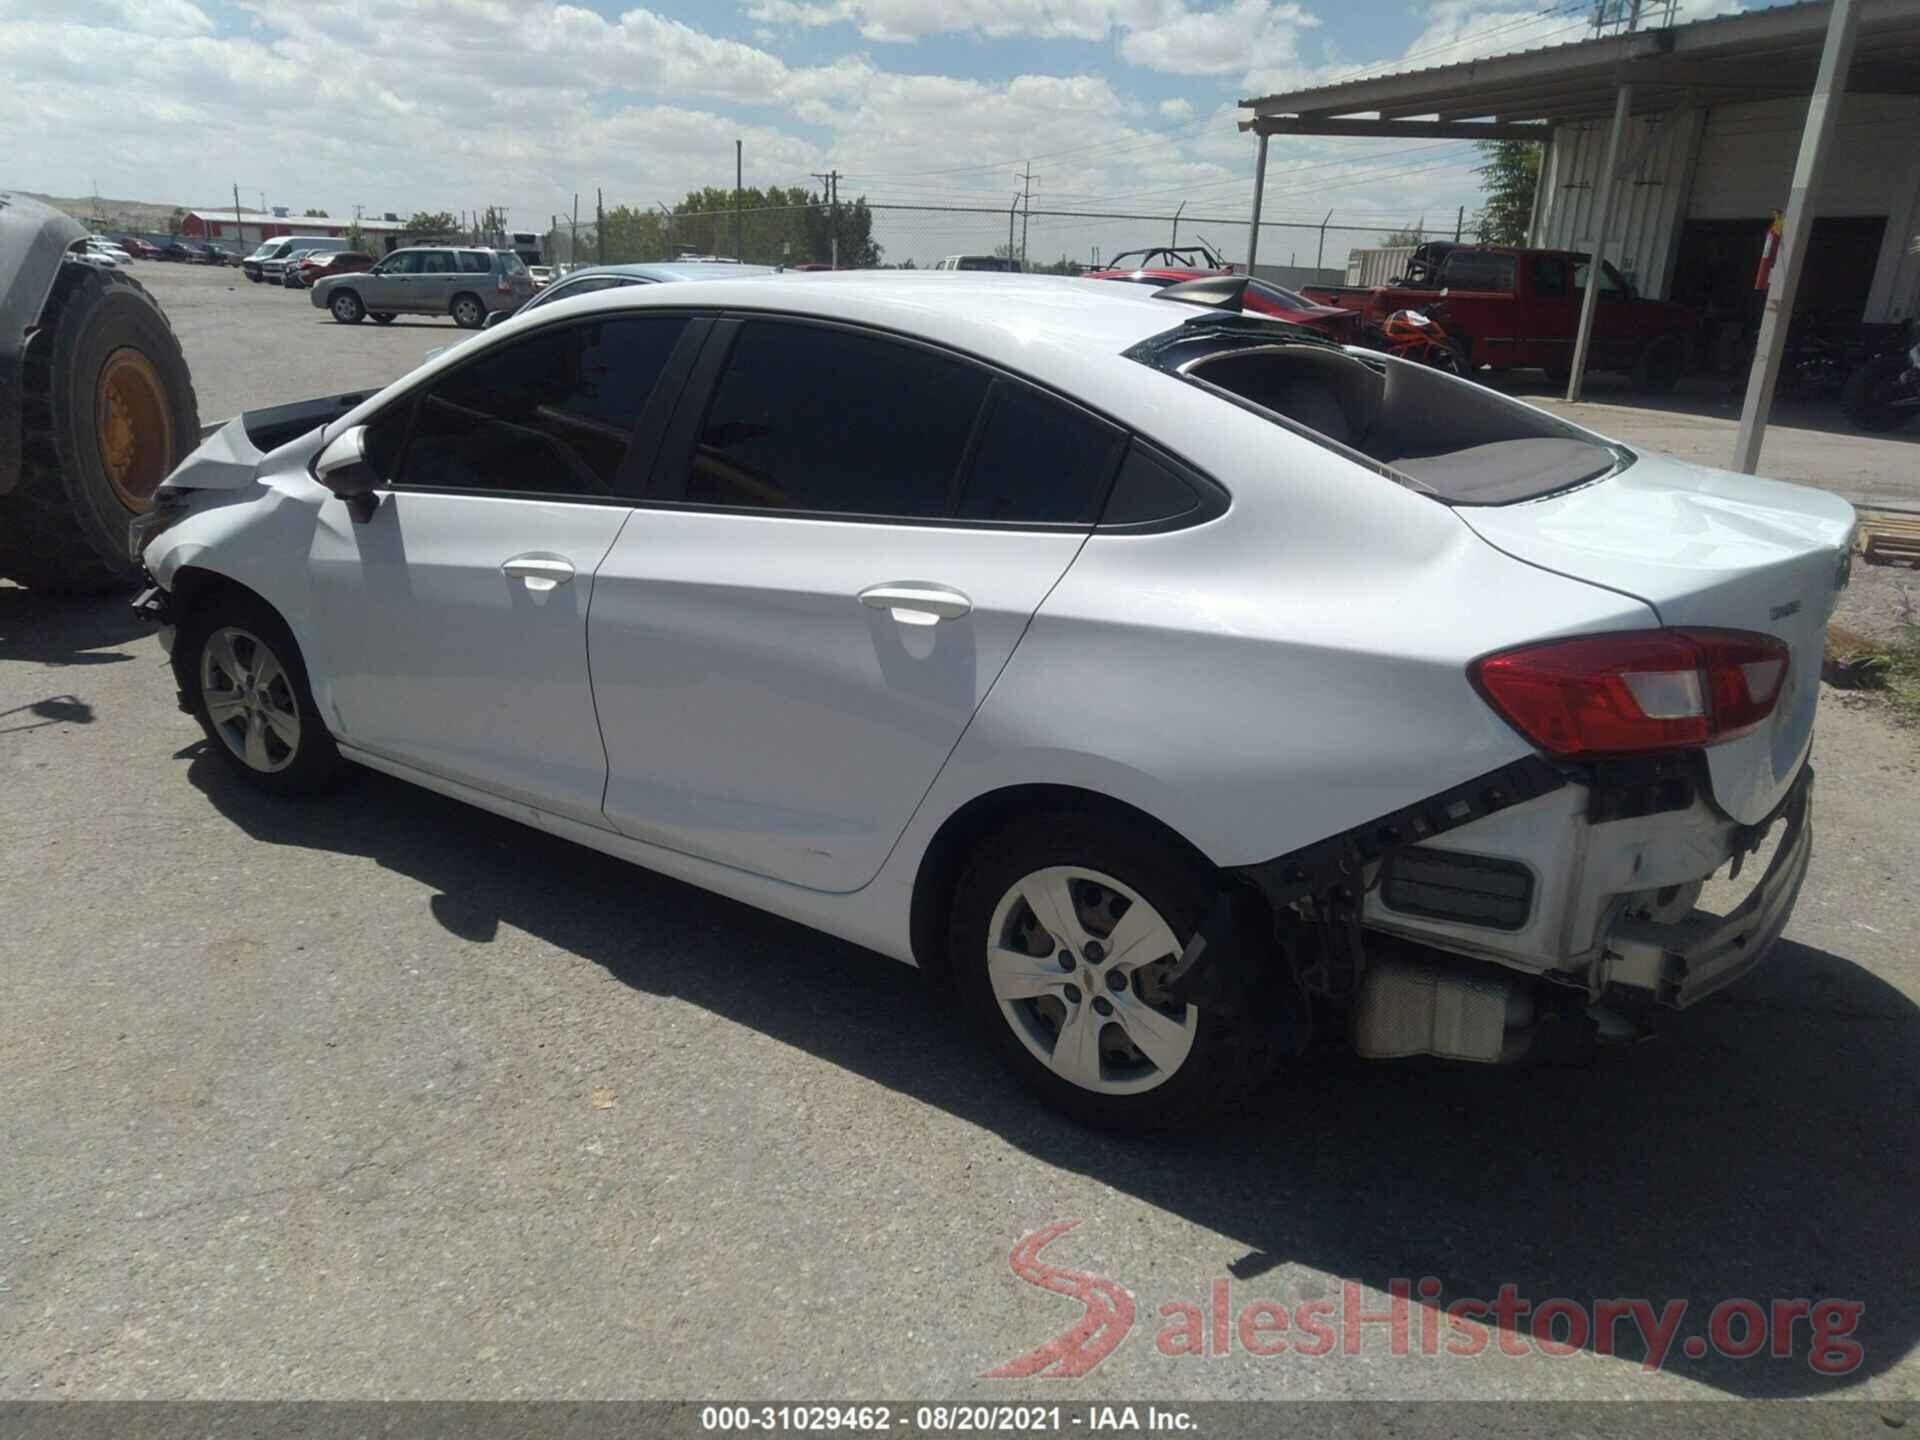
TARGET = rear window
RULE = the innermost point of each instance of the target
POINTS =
(1478, 270)
(475, 262)
(1458, 442)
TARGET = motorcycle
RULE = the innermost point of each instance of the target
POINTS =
(1884, 393)
(1419, 336)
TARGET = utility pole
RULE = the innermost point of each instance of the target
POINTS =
(1459, 221)
(1012, 210)
(830, 187)
(1176, 224)
(239, 231)
(573, 241)
(600, 222)
(1026, 210)
(668, 216)
(1320, 255)
(738, 252)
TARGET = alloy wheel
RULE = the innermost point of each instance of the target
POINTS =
(250, 700)
(1078, 963)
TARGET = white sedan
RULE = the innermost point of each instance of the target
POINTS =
(1171, 682)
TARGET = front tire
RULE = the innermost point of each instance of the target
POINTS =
(346, 308)
(1094, 1034)
(247, 686)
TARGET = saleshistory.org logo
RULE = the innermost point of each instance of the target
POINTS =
(1417, 1320)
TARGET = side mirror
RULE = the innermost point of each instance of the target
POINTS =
(342, 467)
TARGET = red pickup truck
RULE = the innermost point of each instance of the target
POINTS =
(1514, 309)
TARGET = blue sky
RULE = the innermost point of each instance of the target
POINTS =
(450, 104)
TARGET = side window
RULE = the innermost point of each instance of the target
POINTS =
(1609, 279)
(551, 414)
(1550, 277)
(809, 418)
(1478, 270)
(436, 262)
(405, 262)
(1147, 491)
(474, 262)
(1038, 460)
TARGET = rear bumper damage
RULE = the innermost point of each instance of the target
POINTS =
(1620, 865)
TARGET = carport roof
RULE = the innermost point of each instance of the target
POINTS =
(1760, 55)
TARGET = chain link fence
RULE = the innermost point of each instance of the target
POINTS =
(863, 234)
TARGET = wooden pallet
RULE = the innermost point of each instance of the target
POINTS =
(1885, 539)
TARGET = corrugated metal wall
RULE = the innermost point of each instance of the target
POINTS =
(1736, 162)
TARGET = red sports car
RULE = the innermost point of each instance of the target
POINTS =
(1262, 297)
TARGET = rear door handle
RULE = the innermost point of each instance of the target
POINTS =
(541, 573)
(912, 603)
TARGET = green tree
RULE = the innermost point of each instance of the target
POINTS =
(356, 237)
(1507, 183)
(177, 219)
(428, 222)
(1396, 238)
(1065, 265)
(314, 214)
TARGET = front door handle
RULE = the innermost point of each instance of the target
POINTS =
(912, 603)
(541, 573)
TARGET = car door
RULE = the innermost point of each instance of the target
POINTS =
(384, 287)
(1551, 315)
(846, 535)
(452, 623)
(432, 289)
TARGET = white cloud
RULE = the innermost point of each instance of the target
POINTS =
(1177, 110)
(1218, 42)
(162, 19)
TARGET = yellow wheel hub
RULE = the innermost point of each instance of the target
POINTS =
(134, 426)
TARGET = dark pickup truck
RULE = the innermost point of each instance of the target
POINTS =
(1515, 309)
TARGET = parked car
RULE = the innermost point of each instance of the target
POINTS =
(95, 248)
(994, 264)
(465, 282)
(1262, 297)
(591, 278)
(1169, 680)
(219, 255)
(318, 265)
(542, 276)
(1509, 308)
(269, 261)
(180, 251)
(286, 273)
(140, 249)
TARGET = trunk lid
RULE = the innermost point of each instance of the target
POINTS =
(1709, 548)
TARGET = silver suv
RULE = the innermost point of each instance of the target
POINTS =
(462, 281)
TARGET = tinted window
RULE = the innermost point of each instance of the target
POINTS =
(1280, 295)
(436, 262)
(1147, 490)
(1478, 270)
(475, 262)
(807, 418)
(406, 262)
(1038, 460)
(550, 414)
(1609, 278)
(1550, 276)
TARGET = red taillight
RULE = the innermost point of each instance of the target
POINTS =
(504, 285)
(1636, 691)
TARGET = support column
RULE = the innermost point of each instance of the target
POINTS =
(1259, 189)
(1609, 187)
(1823, 114)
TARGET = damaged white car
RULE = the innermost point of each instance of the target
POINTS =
(1175, 684)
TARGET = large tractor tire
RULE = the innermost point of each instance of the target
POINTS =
(108, 410)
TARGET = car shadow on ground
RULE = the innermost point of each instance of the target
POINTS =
(64, 630)
(1764, 1147)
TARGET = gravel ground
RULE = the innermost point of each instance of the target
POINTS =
(380, 1096)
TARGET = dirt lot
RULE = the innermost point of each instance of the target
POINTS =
(382, 1096)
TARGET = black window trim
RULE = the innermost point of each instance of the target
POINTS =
(698, 360)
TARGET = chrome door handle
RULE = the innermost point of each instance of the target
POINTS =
(539, 573)
(914, 604)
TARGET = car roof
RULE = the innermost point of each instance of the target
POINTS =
(688, 270)
(1057, 330)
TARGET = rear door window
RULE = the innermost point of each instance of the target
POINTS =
(1478, 270)
(475, 262)
(1038, 461)
(814, 419)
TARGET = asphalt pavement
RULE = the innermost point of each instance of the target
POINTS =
(380, 1096)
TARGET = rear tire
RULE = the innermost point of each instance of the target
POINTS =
(346, 308)
(1210, 1061)
(1660, 365)
(247, 686)
(108, 410)
(467, 311)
